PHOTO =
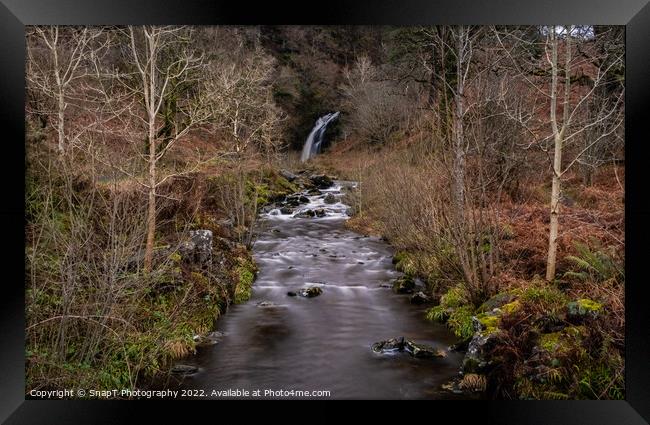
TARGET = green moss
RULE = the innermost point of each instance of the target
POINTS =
(511, 308)
(584, 306)
(550, 342)
(175, 257)
(245, 277)
(490, 323)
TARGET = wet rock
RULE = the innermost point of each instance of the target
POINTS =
(403, 285)
(208, 339)
(313, 192)
(422, 350)
(306, 214)
(183, 369)
(198, 250)
(453, 387)
(288, 175)
(419, 298)
(292, 294)
(476, 357)
(321, 181)
(303, 199)
(320, 212)
(389, 345)
(330, 199)
(310, 292)
(286, 210)
(266, 304)
(401, 344)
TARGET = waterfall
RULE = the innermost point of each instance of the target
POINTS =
(315, 138)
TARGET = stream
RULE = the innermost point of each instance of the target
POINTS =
(323, 343)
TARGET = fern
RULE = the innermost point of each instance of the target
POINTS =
(597, 265)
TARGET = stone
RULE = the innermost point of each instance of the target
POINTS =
(389, 345)
(403, 285)
(583, 308)
(321, 181)
(206, 340)
(198, 250)
(286, 210)
(183, 369)
(306, 214)
(419, 298)
(288, 175)
(320, 212)
(330, 199)
(422, 350)
(310, 292)
(292, 294)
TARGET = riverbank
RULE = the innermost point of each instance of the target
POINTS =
(202, 265)
(525, 337)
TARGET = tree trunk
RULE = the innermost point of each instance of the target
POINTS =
(555, 211)
(459, 136)
(61, 124)
(151, 210)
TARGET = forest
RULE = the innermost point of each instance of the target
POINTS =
(428, 211)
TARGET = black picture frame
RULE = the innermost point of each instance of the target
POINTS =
(15, 14)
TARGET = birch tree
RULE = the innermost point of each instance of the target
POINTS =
(167, 101)
(574, 111)
(57, 58)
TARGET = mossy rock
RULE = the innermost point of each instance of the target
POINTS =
(511, 308)
(563, 342)
(404, 285)
(311, 292)
(487, 323)
(584, 307)
(497, 301)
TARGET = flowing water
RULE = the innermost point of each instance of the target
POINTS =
(323, 343)
(315, 139)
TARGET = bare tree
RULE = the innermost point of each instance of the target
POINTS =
(573, 112)
(68, 50)
(165, 100)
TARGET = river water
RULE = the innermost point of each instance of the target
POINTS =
(323, 343)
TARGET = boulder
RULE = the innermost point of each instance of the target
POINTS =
(288, 175)
(292, 294)
(206, 340)
(422, 350)
(404, 285)
(476, 357)
(389, 345)
(330, 199)
(313, 192)
(320, 212)
(306, 214)
(321, 181)
(303, 199)
(583, 308)
(198, 250)
(420, 298)
(286, 210)
(310, 292)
